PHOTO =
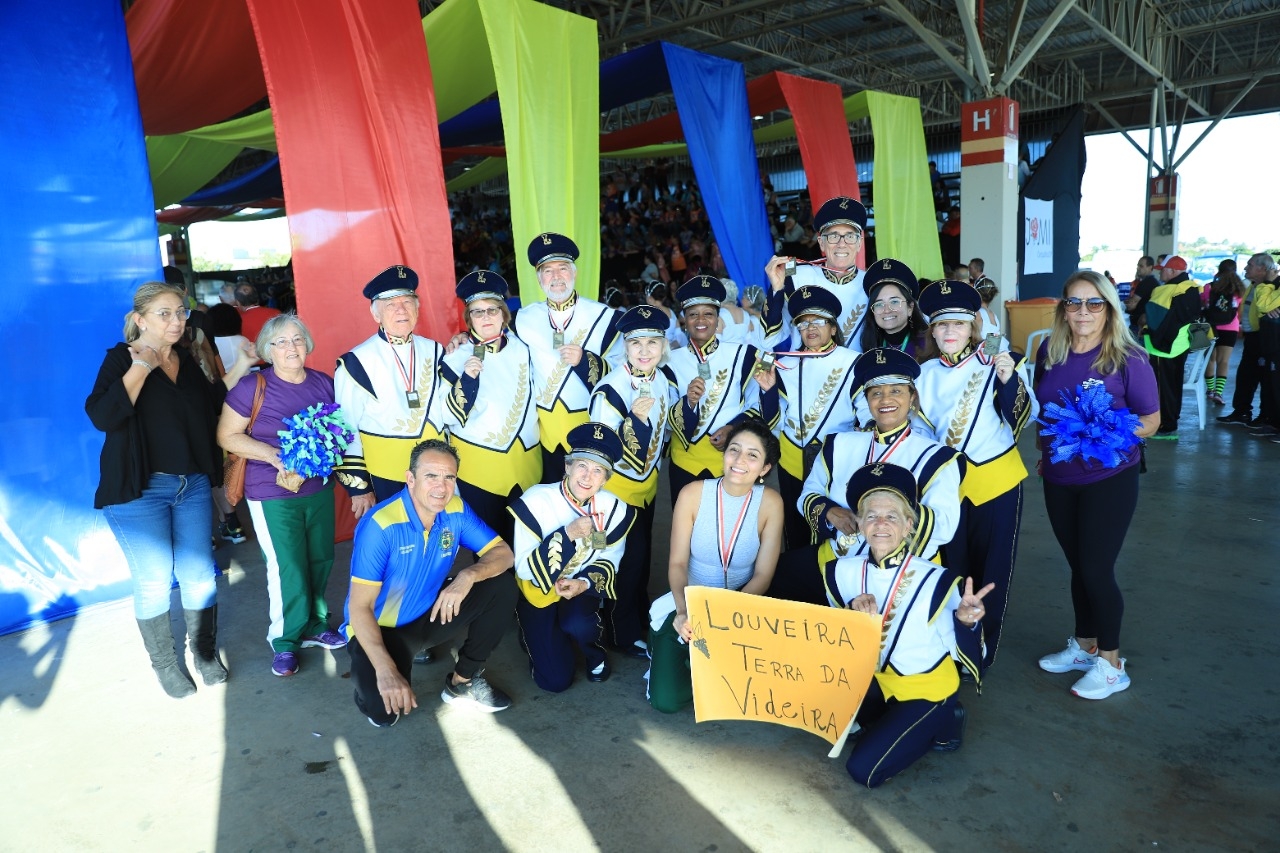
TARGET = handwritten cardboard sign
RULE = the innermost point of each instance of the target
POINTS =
(784, 662)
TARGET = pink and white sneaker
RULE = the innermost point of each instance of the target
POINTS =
(1071, 659)
(1101, 681)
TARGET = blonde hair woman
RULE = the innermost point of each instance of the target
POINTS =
(158, 463)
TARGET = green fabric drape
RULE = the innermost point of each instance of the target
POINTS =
(180, 165)
(251, 131)
(491, 167)
(906, 225)
(544, 63)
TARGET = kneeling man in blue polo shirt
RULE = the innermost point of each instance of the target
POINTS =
(405, 594)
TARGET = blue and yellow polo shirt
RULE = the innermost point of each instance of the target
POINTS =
(410, 564)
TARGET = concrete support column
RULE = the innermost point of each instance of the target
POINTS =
(1162, 215)
(989, 190)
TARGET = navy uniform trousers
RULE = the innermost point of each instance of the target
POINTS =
(897, 734)
(984, 548)
(552, 633)
(627, 618)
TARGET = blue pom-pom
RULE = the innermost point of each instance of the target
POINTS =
(313, 440)
(1087, 427)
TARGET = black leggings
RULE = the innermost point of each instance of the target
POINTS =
(1090, 522)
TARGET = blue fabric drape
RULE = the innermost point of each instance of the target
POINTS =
(711, 96)
(1058, 177)
(78, 233)
(262, 182)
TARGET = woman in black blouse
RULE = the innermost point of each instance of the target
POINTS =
(158, 463)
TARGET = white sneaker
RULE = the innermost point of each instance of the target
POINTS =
(1071, 659)
(1102, 680)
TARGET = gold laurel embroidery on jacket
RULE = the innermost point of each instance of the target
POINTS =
(1021, 403)
(555, 555)
(459, 398)
(598, 580)
(964, 410)
(907, 580)
(819, 405)
(677, 420)
(713, 399)
(655, 441)
(351, 480)
(593, 370)
(578, 558)
(502, 440)
(852, 322)
(630, 439)
(834, 277)
(555, 381)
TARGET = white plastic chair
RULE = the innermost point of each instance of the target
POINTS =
(1033, 342)
(1193, 379)
(1029, 366)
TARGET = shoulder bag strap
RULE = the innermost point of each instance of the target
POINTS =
(259, 392)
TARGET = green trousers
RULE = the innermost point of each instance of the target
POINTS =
(296, 536)
(670, 681)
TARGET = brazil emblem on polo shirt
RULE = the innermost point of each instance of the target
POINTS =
(446, 541)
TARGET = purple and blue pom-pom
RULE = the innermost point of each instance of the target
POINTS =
(1088, 428)
(314, 439)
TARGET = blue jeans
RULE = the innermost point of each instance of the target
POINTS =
(164, 534)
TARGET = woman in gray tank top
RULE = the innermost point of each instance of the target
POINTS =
(725, 532)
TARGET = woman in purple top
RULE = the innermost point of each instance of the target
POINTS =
(1089, 505)
(294, 528)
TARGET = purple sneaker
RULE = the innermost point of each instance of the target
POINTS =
(284, 664)
(328, 639)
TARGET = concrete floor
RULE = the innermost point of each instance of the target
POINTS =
(95, 757)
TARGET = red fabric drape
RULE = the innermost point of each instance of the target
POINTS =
(662, 129)
(355, 117)
(823, 134)
(195, 62)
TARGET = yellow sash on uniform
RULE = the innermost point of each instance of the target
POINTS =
(632, 493)
(985, 482)
(554, 424)
(933, 686)
(498, 472)
(388, 457)
(535, 596)
(700, 455)
(792, 458)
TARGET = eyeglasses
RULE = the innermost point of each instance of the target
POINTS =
(892, 304)
(477, 313)
(297, 342)
(849, 237)
(804, 324)
(1095, 304)
(166, 315)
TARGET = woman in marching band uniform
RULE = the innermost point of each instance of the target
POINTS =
(839, 224)
(569, 541)
(978, 404)
(635, 400)
(489, 407)
(811, 402)
(714, 379)
(886, 378)
(734, 517)
(926, 624)
(893, 302)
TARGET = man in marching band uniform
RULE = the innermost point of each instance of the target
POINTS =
(839, 224)
(976, 399)
(886, 377)
(635, 400)
(489, 408)
(389, 390)
(569, 542)
(811, 401)
(573, 342)
(716, 381)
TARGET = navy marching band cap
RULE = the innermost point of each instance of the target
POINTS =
(550, 246)
(814, 300)
(595, 442)
(481, 284)
(643, 321)
(883, 476)
(890, 271)
(884, 366)
(840, 210)
(701, 290)
(950, 300)
(392, 282)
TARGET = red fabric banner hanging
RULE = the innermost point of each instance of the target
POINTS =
(355, 118)
(195, 62)
(823, 134)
